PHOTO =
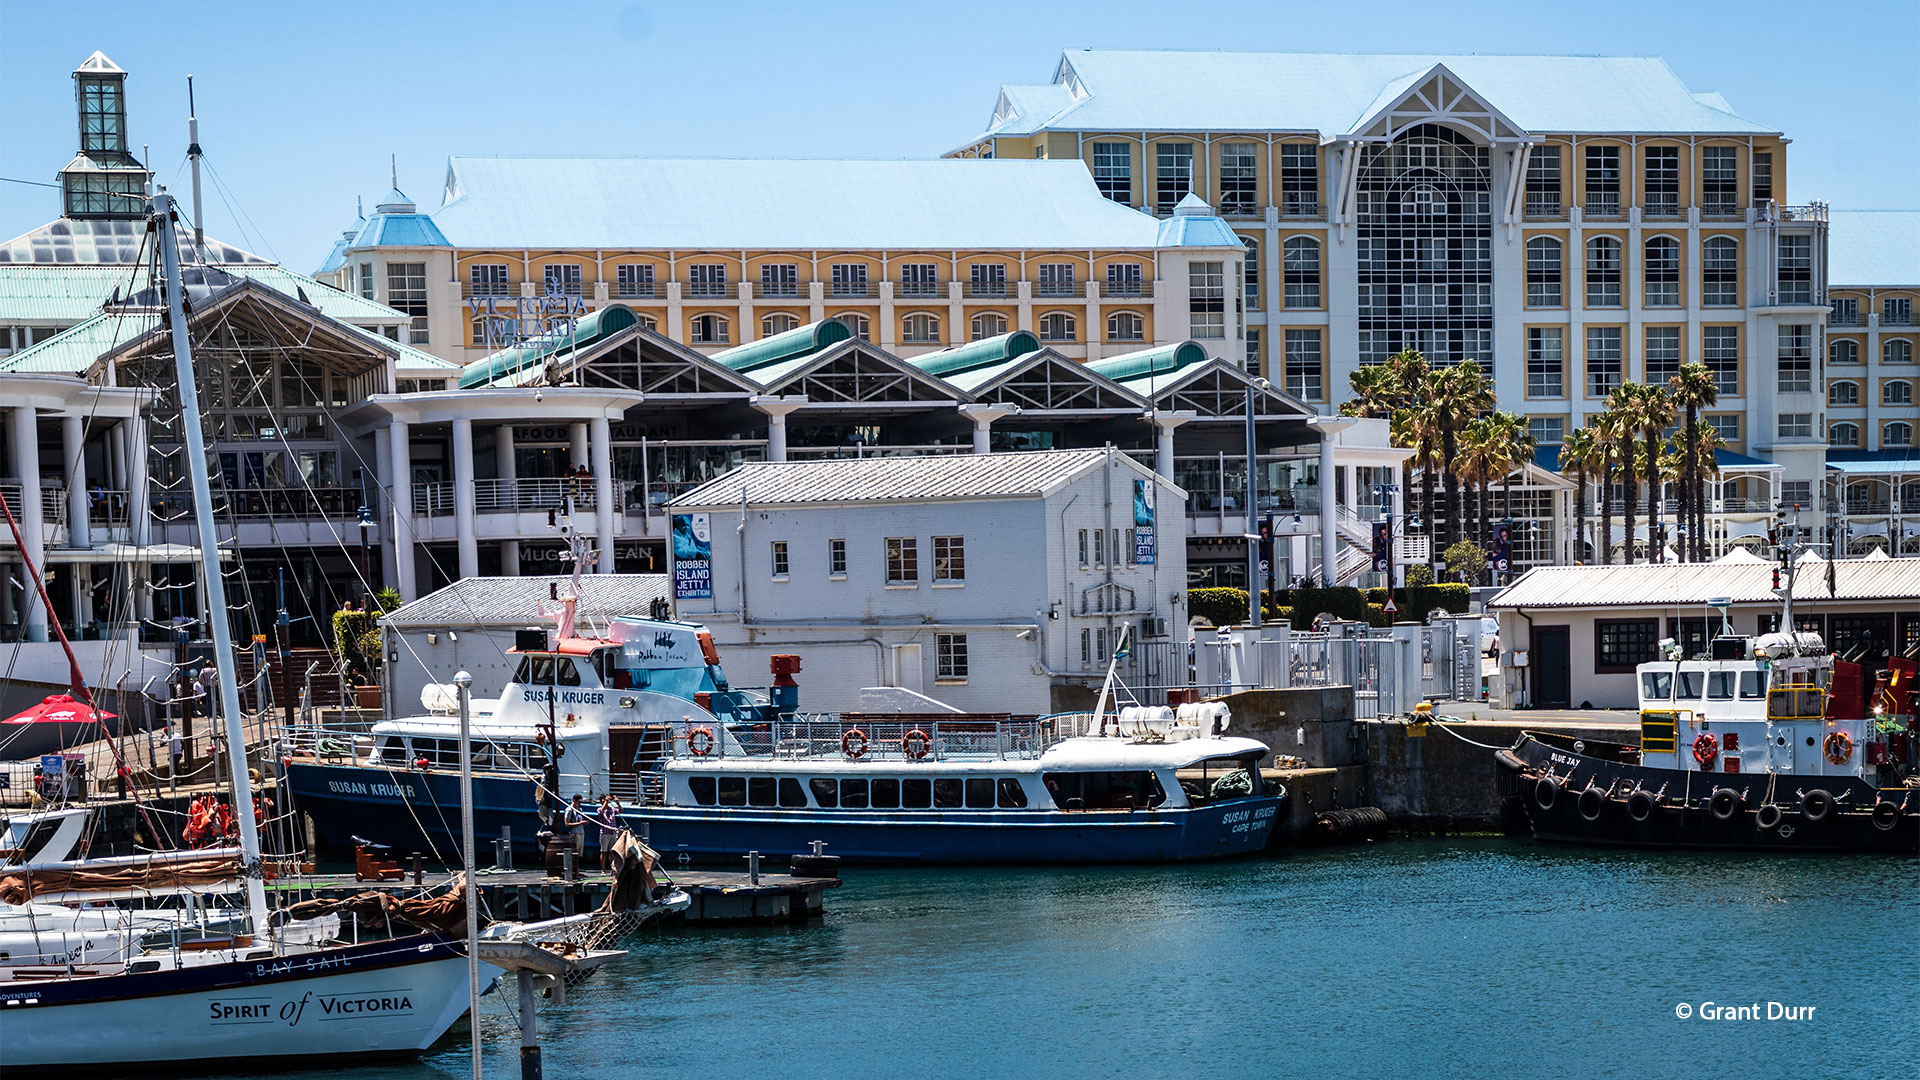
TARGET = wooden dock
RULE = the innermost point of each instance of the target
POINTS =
(529, 895)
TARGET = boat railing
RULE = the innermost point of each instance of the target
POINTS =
(325, 744)
(903, 739)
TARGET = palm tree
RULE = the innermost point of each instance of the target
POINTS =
(1373, 392)
(1517, 444)
(1418, 428)
(1456, 394)
(1655, 415)
(1478, 464)
(1692, 390)
(1707, 468)
(1623, 405)
(1577, 453)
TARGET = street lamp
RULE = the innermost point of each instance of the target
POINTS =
(366, 549)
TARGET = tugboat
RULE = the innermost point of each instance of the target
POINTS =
(1768, 743)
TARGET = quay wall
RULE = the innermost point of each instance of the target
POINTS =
(1444, 780)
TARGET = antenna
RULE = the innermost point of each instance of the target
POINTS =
(193, 157)
(393, 162)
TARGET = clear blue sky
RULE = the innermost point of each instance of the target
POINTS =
(300, 104)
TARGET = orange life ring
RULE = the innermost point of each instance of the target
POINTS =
(854, 743)
(916, 744)
(1705, 749)
(700, 741)
(1839, 747)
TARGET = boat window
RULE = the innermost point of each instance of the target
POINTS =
(1720, 685)
(733, 791)
(946, 794)
(1656, 685)
(702, 788)
(760, 791)
(535, 670)
(916, 794)
(1753, 685)
(980, 793)
(390, 748)
(886, 794)
(1012, 795)
(791, 794)
(853, 794)
(1104, 790)
(568, 672)
(826, 792)
(1690, 682)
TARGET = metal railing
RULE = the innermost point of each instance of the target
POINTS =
(711, 290)
(1536, 206)
(638, 290)
(529, 495)
(1851, 318)
(1901, 318)
(850, 290)
(1600, 206)
(488, 288)
(987, 290)
(904, 740)
(1299, 207)
(778, 290)
(1126, 290)
(1053, 289)
(920, 289)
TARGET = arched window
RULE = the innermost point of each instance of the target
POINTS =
(1302, 255)
(920, 328)
(1662, 268)
(861, 326)
(1720, 272)
(1251, 272)
(1424, 200)
(1603, 272)
(1843, 393)
(1897, 392)
(1057, 326)
(1843, 351)
(988, 324)
(1898, 433)
(1544, 272)
(1843, 435)
(710, 330)
(778, 323)
(1896, 351)
(1126, 326)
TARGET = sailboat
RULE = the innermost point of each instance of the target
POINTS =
(267, 1006)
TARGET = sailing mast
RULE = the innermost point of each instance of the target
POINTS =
(212, 582)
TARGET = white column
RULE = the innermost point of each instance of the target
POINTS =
(1163, 455)
(1329, 428)
(577, 444)
(983, 417)
(604, 510)
(400, 483)
(465, 527)
(73, 436)
(1095, 326)
(507, 469)
(139, 508)
(25, 427)
(382, 465)
(777, 407)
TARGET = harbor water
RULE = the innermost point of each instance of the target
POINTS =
(1474, 957)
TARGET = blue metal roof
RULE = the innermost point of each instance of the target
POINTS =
(1331, 93)
(399, 230)
(1883, 462)
(1873, 247)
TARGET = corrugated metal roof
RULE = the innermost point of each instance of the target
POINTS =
(721, 204)
(899, 479)
(1873, 247)
(797, 342)
(986, 352)
(398, 230)
(590, 330)
(73, 294)
(73, 351)
(1874, 462)
(518, 601)
(1330, 93)
(1669, 585)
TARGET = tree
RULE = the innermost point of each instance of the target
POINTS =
(1577, 453)
(1456, 394)
(1693, 389)
(1622, 425)
(1706, 458)
(1480, 459)
(1655, 414)
(1515, 438)
(1467, 559)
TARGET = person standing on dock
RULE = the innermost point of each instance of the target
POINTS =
(575, 820)
(609, 818)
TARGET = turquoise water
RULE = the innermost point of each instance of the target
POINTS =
(1476, 958)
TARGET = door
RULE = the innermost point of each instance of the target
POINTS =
(1550, 662)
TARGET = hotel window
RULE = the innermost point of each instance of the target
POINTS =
(988, 324)
(1762, 177)
(561, 279)
(1303, 376)
(1239, 178)
(1719, 180)
(1843, 351)
(1843, 435)
(1796, 270)
(1603, 360)
(1543, 182)
(1662, 268)
(987, 279)
(1057, 326)
(1300, 180)
(778, 323)
(1547, 431)
(407, 291)
(1720, 272)
(949, 559)
(707, 279)
(1896, 311)
(837, 558)
(1543, 272)
(1603, 181)
(1796, 493)
(1620, 645)
(1252, 355)
(1250, 271)
(1896, 351)
(710, 330)
(920, 328)
(1843, 393)
(1603, 272)
(1546, 363)
(950, 656)
(850, 280)
(903, 560)
(1302, 272)
(1720, 351)
(861, 326)
(780, 567)
(780, 279)
(1726, 425)
(1207, 299)
(1175, 179)
(1898, 433)
(1898, 392)
(1056, 279)
(366, 280)
(1126, 326)
(633, 281)
(1796, 359)
(1113, 171)
(919, 279)
(1796, 425)
(1123, 279)
(487, 279)
(1845, 311)
(1663, 181)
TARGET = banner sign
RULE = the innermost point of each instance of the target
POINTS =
(692, 557)
(1143, 553)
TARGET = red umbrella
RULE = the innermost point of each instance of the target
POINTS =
(59, 709)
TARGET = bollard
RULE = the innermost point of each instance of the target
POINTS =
(753, 867)
(506, 839)
(499, 854)
(416, 869)
(566, 864)
(646, 833)
(819, 847)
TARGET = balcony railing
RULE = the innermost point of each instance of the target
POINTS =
(1601, 206)
(1896, 318)
(1239, 206)
(1544, 206)
(1059, 288)
(712, 290)
(850, 290)
(1848, 318)
(488, 288)
(562, 288)
(638, 290)
(1721, 209)
(920, 289)
(986, 290)
(1663, 208)
(518, 496)
(1127, 290)
(778, 290)
(1296, 207)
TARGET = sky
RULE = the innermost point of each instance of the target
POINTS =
(301, 104)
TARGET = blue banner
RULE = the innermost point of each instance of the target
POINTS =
(1143, 525)
(692, 557)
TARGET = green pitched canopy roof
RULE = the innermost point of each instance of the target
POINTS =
(1149, 362)
(800, 341)
(977, 354)
(593, 328)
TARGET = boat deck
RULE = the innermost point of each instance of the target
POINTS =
(529, 895)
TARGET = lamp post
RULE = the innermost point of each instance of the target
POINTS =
(366, 553)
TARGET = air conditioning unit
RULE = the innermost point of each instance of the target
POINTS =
(1154, 627)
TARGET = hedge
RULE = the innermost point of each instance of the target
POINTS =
(1228, 607)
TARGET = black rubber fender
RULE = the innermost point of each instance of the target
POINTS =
(1724, 803)
(1591, 804)
(1640, 806)
(1816, 804)
(1768, 816)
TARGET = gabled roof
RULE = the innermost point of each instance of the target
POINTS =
(1677, 585)
(497, 367)
(851, 372)
(1330, 94)
(73, 351)
(904, 479)
(1873, 247)
(518, 601)
(1047, 382)
(73, 294)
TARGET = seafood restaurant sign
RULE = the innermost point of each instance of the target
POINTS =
(692, 557)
